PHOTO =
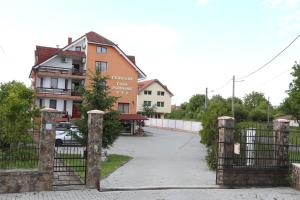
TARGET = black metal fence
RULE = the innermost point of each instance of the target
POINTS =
(256, 147)
(294, 145)
(20, 152)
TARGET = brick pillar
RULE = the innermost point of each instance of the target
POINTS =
(46, 145)
(95, 126)
(226, 141)
(281, 133)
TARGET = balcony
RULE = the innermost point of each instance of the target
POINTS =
(73, 73)
(57, 93)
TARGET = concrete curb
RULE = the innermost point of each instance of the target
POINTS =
(161, 188)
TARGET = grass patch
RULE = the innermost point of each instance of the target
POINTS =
(112, 163)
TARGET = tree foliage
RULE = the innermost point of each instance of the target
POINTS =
(97, 97)
(16, 110)
(149, 110)
(291, 105)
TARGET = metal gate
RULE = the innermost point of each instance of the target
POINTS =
(70, 159)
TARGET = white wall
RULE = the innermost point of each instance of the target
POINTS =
(57, 62)
(174, 124)
(59, 104)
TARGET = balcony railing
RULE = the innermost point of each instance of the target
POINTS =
(79, 72)
(59, 70)
(57, 91)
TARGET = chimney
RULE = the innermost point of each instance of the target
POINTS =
(69, 40)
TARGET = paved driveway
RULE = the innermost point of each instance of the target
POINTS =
(166, 158)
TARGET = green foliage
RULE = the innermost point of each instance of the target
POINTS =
(98, 98)
(149, 110)
(254, 99)
(212, 156)
(217, 107)
(192, 110)
(291, 105)
(16, 110)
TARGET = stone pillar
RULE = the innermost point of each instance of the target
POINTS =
(296, 176)
(47, 145)
(94, 145)
(47, 140)
(226, 142)
(281, 133)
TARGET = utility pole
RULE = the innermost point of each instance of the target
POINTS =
(206, 99)
(232, 101)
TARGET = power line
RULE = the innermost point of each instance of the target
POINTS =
(275, 77)
(224, 85)
(246, 76)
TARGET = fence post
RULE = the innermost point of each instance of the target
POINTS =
(226, 141)
(94, 145)
(281, 133)
(47, 142)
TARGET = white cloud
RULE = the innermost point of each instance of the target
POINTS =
(282, 4)
(202, 2)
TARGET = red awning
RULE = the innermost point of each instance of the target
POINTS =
(135, 117)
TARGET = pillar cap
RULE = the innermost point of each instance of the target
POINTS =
(225, 117)
(282, 120)
(96, 112)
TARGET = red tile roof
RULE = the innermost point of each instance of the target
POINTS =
(96, 38)
(44, 53)
(144, 84)
(136, 117)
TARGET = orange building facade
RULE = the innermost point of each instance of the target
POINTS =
(57, 73)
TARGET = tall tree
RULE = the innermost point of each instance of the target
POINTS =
(97, 97)
(16, 110)
(291, 105)
(254, 99)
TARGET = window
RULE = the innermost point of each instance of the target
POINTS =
(54, 82)
(65, 105)
(147, 92)
(42, 82)
(160, 93)
(66, 84)
(52, 104)
(160, 104)
(123, 107)
(78, 48)
(147, 103)
(41, 103)
(101, 49)
(101, 66)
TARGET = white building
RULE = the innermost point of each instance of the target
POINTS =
(153, 92)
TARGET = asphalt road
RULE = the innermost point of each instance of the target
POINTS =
(165, 158)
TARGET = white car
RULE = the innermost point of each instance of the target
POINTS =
(66, 135)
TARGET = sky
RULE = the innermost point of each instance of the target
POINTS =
(188, 45)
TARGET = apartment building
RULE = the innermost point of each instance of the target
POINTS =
(153, 92)
(59, 72)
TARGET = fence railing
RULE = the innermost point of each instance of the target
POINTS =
(18, 153)
(174, 124)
